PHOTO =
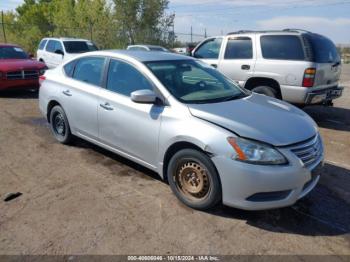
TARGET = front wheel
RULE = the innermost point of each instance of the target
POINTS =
(194, 180)
(59, 125)
(265, 90)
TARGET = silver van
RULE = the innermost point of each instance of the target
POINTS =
(293, 65)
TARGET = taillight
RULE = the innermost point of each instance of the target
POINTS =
(309, 77)
(42, 78)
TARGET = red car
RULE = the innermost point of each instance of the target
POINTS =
(17, 69)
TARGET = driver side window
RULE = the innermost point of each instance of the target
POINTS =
(210, 49)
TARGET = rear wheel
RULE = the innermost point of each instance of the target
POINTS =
(265, 90)
(193, 179)
(59, 125)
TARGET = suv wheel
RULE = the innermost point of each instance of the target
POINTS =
(59, 125)
(194, 180)
(265, 90)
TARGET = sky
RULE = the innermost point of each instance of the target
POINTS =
(328, 17)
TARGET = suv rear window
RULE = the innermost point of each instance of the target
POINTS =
(323, 49)
(282, 47)
(79, 46)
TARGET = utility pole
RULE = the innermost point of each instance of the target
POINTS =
(191, 35)
(3, 25)
(205, 33)
(173, 31)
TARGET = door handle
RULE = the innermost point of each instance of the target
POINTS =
(67, 93)
(214, 65)
(107, 106)
(245, 67)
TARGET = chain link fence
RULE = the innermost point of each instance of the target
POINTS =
(29, 36)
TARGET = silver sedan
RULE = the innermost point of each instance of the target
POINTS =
(212, 141)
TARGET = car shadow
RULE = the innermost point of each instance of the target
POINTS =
(330, 117)
(110, 160)
(323, 212)
(19, 94)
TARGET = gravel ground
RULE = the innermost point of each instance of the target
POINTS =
(81, 199)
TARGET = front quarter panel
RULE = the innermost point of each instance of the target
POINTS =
(178, 125)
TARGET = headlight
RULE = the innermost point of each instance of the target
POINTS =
(255, 153)
(42, 71)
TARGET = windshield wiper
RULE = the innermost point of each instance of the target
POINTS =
(229, 98)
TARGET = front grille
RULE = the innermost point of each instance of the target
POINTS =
(310, 151)
(24, 74)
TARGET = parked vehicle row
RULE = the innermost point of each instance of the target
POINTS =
(294, 65)
(212, 140)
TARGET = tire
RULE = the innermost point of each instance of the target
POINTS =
(59, 125)
(265, 90)
(193, 178)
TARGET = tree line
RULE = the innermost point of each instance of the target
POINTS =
(110, 24)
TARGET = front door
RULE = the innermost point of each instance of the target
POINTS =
(130, 128)
(209, 51)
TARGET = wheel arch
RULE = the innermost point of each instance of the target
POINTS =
(176, 147)
(51, 105)
(259, 81)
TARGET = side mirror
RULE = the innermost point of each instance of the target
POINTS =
(59, 52)
(31, 56)
(144, 96)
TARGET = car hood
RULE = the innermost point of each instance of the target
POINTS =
(20, 64)
(260, 118)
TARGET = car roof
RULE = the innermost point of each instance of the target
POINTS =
(66, 39)
(144, 56)
(149, 46)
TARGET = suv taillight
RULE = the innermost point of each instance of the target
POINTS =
(309, 77)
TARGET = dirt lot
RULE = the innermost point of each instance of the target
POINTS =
(81, 199)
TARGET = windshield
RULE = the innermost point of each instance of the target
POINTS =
(324, 51)
(79, 46)
(12, 52)
(194, 82)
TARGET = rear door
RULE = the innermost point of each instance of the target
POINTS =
(209, 50)
(80, 92)
(238, 58)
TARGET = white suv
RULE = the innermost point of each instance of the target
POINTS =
(294, 65)
(53, 51)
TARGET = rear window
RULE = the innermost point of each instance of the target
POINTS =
(239, 48)
(42, 44)
(79, 46)
(323, 49)
(282, 47)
